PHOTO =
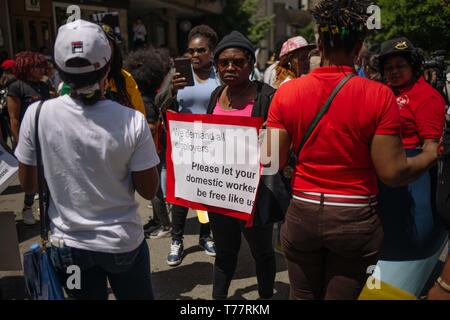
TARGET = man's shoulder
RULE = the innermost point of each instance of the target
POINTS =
(425, 91)
(15, 85)
(121, 112)
(302, 85)
(373, 89)
(117, 107)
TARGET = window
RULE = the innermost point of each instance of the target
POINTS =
(45, 29)
(34, 46)
(20, 35)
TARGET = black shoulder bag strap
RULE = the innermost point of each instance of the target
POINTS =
(43, 189)
(215, 95)
(324, 110)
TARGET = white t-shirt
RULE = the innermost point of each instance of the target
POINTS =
(89, 153)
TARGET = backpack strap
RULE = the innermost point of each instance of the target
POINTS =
(322, 112)
(215, 95)
(43, 188)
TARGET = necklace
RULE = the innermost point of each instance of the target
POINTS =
(231, 102)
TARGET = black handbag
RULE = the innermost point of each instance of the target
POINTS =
(274, 192)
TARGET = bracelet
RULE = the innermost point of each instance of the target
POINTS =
(443, 285)
(440, 149)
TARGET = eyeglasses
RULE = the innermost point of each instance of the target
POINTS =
(191, 51)
(400, 67)
(238, 63)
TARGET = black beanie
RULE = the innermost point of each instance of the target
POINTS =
(235, 40)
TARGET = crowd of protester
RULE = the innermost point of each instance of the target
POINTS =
(363, 182)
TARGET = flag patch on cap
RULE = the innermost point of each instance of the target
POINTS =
(77, 47)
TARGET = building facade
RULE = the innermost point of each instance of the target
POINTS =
(33, 24)
(169, 21)
(6, 49)
(289, 15)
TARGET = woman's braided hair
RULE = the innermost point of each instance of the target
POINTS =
(341, 23)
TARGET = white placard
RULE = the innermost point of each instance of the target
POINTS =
(9, 169)
(216, 165)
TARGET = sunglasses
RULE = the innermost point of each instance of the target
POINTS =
(191, 51)
(238, 63)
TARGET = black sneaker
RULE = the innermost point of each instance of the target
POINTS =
(208, 245)
(176, 253)
(160, 232)
(151, 226)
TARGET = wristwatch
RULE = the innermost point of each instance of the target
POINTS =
(443, 285)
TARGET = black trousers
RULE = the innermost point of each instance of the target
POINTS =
(227, 238)
(160, 214)
(179, 214)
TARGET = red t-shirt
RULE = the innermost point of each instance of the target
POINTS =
(336, 158)
(422, 113)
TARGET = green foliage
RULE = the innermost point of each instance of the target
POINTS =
(232, 18)
(425, 22)
(244, 16)
(259, 24)
(308, 32)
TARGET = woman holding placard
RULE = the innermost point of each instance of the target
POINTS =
(239, 96)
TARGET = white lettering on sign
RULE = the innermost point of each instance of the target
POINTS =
(216, 164)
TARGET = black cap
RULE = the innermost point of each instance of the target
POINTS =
(396, 46)
(235, 40)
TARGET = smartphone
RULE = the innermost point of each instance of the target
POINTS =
(184, 68)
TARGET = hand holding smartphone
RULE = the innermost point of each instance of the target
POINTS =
(184, 68)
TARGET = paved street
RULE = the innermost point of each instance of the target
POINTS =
(190, 280)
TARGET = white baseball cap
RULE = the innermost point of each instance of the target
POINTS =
(82, 39)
